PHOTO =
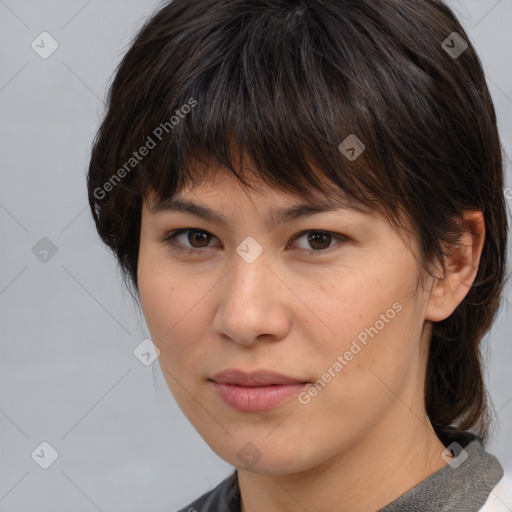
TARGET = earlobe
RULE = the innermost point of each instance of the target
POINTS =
(461, 269)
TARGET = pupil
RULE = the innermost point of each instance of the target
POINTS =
(201, 236)
(315, 238)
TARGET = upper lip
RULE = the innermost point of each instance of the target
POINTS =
(253, 379)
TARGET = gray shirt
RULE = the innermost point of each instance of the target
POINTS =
(464, 484)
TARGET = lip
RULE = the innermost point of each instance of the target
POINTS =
(257, 391)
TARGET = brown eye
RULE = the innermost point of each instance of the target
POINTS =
(316, 241)
(198, 238)
(191, 240)
(319, 240)
(188, 239)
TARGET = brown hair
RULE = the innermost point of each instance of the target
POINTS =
(287, 81)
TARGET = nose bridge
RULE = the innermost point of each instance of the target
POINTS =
(249, 303)
(249, 275)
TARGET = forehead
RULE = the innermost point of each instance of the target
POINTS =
(213, 198)
(219, 185)
(210, 200)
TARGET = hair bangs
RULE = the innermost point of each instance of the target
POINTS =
(276, 107)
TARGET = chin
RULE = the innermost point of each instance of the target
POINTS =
(263, 456)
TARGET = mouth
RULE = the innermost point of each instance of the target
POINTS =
(257, 391)
(258, 378)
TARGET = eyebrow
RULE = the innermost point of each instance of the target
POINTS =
(275, 216)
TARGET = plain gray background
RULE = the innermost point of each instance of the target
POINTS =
(68, 373)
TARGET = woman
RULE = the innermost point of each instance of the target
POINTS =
(307, 199)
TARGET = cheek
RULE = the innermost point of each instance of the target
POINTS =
(155, 295)
(173, 305)
(351, 307)
(167, 301)
(373, 318)
(159, 285)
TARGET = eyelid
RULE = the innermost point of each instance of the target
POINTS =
(341, 238)
(169, 239)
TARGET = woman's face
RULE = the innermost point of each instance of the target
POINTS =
(339, 309)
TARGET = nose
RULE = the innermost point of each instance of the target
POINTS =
(252, 303)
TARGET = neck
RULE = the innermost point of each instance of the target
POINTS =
(392, 458)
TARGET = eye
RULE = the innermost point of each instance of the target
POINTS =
(198, 239)
(318, 240)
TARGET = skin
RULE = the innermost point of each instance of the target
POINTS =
(365, 438)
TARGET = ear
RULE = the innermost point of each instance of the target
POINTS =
(461, 269)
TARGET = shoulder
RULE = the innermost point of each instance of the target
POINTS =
(223, 498)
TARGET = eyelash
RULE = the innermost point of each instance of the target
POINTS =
(169, 240)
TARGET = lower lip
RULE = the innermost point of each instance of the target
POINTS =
(256, 399)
